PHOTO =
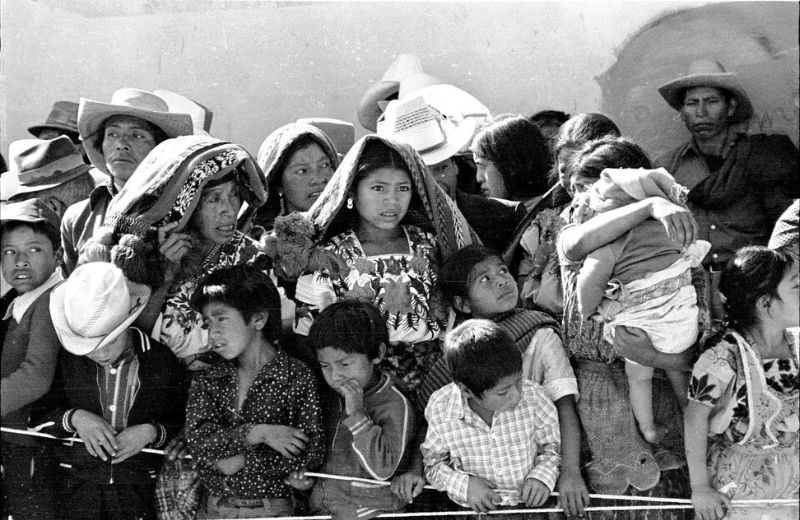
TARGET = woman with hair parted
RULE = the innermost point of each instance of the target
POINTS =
(195, 197)
(741, 424)
(388, 222)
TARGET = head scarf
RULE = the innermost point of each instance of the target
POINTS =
(431, 209)
(272, 157)
(167, 185)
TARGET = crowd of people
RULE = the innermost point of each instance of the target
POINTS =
(515, 310)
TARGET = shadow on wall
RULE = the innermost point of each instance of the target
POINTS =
(756, 40)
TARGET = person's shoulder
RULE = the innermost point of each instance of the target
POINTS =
(772, 142)
(75, 209)
(665, 159)
(443, 396)
(295, 368)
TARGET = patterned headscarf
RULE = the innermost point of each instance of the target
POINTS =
(272, 158)
(430, 209)
(167, 185)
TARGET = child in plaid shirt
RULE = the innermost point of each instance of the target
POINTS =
(493, 439)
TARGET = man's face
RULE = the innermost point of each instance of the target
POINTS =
(706, 112)
(126, 142)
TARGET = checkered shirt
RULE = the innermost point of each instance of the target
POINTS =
(522, 443)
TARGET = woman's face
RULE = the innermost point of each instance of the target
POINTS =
(490, 178)
(382, 198)
(562, 159)
(215, 217)
(307, 172)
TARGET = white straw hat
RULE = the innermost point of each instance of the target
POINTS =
(434, 135)
(94, 306)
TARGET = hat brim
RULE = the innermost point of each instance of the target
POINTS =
(10, 186)
(80, 345)
(673, 91)
(368, 110)
(37, 129)
(460, 138)
(91, 115)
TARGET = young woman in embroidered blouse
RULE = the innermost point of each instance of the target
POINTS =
(390, 222)
(741, 424)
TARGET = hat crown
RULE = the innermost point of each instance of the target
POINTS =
(141, 99)
(32, 154)
(705, 66)
(63, 113)
(30, 210)
(96, 299)
(415, 122)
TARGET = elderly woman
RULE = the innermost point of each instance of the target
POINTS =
(117, 136)
(741, 424)
(196, 196)
(298, 160)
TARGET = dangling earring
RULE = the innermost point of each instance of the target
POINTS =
(349, 202)
(282, 203)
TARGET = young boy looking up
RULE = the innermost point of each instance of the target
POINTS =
(30, 253)
(369, 423)
(479, 285)
(493, 437)
(254, 418)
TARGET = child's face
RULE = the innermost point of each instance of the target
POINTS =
(492, 290)
(339, 366)
(228, 333)
(111, 351)
(383, 197)
(505, 395)
(28, 258)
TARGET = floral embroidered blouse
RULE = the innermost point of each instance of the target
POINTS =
(720, 380)
(179, 326)
(284, 392)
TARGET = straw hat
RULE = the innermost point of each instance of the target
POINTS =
(38, 165)
(201, 115)
(707, 73)
(63, 117)
(128, 102)
(434, 135)
(94, 306)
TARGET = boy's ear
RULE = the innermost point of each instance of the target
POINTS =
(461, 304)
(381, 354)
(259, 319)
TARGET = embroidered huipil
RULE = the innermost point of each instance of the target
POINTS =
(284, 392)
(521, 443)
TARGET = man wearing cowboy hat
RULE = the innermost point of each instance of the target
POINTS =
(739, 184)
(117, 136)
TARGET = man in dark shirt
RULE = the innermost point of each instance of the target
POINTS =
(739, 184)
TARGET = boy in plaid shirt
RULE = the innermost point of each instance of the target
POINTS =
(493, 439)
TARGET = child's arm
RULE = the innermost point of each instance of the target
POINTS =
(32, 379)
(575, 242)
(410, 484)
(438, 469)
(593, 279)
(708, 502)
(380, 438)
(548, 442)
(573, 494)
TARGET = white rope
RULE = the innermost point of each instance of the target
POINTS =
(674, 503)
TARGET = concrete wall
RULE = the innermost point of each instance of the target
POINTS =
(261, 64)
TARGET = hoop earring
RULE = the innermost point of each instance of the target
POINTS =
(349, 202)
(282, 203)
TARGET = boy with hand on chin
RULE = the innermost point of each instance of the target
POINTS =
(369, 423)
(493, 438)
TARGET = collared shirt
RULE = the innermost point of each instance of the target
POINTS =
(283, 393)
(118, 384)
(21, 303)
(521, 443)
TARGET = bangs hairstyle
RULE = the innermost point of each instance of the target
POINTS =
(479, 354)
(753, 272)
(457, 269)
(42, 228)
(246, 289)
(519, 151)
(351, 326)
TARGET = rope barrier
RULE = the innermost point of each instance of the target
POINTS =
(667, 503)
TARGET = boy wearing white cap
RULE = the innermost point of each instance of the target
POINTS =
(116, 389)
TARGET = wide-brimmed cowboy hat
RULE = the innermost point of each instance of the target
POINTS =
(39, 164)
(63, 117)
(127, 102)
(435, 135)
(387, 88)
(94, 306)
(707, 73)
(201, 115)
